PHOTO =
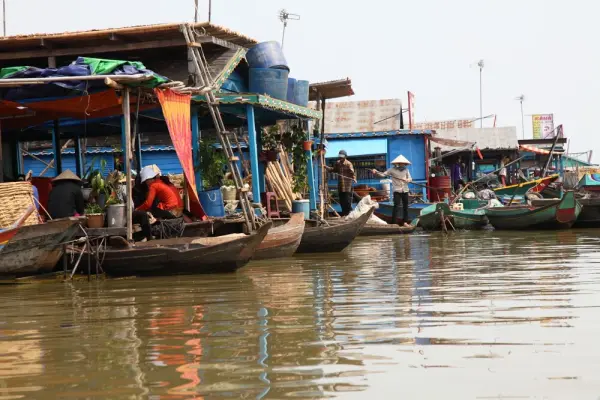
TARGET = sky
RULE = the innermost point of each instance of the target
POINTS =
(540, 48)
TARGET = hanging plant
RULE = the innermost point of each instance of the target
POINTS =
(294, 144)
(212, 165)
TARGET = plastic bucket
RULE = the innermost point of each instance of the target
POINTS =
(301, 206)
(272, 82)
(212, 202)
(290, 90)
(235, 84)
(115, 214)
(267, 55)
(301, 93)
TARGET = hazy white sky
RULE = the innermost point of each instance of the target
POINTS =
(541, 48)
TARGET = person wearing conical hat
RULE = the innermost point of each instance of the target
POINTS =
(66, 199)
(400, 180)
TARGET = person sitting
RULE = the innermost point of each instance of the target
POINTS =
(170, 203)
(66, 199)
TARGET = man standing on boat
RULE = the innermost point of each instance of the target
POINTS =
(400, 180)
(346, 177)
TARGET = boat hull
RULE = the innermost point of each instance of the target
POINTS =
(386, 208)
(282, 241)
(560, 214)
(332, 238)
(590, 214)
(184, 255)
(35, 249)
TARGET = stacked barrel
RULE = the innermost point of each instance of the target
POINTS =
(269, 74)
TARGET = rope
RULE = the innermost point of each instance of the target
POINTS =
(168, 228)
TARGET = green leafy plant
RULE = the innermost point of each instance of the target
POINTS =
(228, 182)
(294, 141)
(93, 208)
(212, 164)
(271, 137)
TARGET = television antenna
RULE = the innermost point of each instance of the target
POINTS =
(284, 17)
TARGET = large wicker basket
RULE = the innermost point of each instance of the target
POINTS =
(15, 199)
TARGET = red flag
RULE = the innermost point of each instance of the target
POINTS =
(479, 153)
(177, 113)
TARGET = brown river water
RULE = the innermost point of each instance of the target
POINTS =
(474, 315)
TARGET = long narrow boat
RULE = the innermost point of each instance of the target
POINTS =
(35, 249)
(375, 229)
(185, 255)
(283, 240)
(521, 189)
(553, 214)
(386, 208)
(590, 213)
(331, 238)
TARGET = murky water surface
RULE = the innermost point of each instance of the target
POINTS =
(472, 315)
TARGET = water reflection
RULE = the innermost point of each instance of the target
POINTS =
(468, 315)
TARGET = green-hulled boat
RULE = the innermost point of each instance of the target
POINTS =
(472, 216)
(557, 214)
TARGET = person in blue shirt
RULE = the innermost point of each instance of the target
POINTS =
(36, 195)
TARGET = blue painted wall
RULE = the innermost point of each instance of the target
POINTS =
(167, 161)
(411, 147)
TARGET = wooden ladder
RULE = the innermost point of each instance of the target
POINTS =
(205, 80)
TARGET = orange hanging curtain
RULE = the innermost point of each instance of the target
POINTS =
(177, 113)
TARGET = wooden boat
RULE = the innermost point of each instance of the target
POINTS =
(521, 189)
(35, 249)
(283, 239)
(386, 208)
(472, 216)
(374, 229)
(185, 255)
(590, 213)
(322, 238)
(547, 214)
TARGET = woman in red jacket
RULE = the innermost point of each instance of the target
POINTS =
(170, 204)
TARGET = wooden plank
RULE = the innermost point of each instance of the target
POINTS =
(83, 51)
(219, 42)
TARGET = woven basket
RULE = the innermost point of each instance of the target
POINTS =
(15, 199)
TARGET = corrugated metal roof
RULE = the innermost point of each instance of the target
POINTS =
(99, 150)
(376, 134)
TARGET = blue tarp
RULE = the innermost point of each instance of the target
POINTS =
(81, 67)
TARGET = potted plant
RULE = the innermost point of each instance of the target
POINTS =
(270, 142)
(115, 208)
(94, 215)
(229, 190)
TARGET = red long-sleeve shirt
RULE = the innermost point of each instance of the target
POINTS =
(168, 197)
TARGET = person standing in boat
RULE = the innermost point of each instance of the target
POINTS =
(346, 177)
(400, 180)
(170, 203)
(457, 174)
(503, 172)
(66, 199)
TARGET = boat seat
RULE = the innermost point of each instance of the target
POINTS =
(269, 199)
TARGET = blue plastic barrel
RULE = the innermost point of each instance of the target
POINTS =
(212, 202)
(301, 93)
(235, 84)
(301, 206)
(290, 91)
(267, 55)
(272, 82)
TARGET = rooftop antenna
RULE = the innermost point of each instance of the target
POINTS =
(521, 98)
(284, 16)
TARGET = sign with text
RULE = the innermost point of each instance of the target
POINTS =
(543, 125)
(362, 116)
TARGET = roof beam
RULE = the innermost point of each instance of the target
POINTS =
(219, 42)
(81, 51)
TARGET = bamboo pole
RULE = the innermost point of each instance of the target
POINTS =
(127, 160)
(51, 164)
(34, 157)
(16, 82)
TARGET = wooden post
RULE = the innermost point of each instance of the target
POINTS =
(19, 153)
(126, 135)
(78, 157)
(196, 149)
(252, 144)
(310, 173)
(56, 147)
(1, 156)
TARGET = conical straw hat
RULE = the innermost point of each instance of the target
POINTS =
(67, 176)
(401, 160)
